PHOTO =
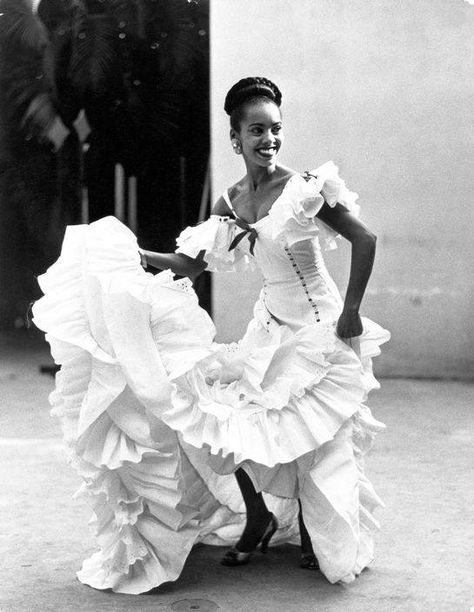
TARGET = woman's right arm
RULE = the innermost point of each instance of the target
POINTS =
(178, 263)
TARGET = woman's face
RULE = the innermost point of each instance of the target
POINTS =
(261, 133)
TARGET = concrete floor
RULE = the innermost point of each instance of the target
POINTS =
(422, 467)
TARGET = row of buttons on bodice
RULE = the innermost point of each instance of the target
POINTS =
(269, 316)
(301, 277)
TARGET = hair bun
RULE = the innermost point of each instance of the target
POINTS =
(248, 88)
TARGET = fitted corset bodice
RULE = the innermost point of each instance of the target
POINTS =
(297, 289)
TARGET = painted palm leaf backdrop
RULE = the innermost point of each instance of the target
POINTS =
(138, 72)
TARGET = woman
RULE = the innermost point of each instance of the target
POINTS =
(282, 409)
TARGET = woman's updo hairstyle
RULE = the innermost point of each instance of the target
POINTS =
(246, 90)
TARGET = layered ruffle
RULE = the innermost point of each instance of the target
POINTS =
(293, 216)
(287, 394)
(214, 236)
(149, 404)
(338, 501)
(118, 334)
(288, 407)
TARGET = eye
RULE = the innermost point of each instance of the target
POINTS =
(277, 129)
(256, 130)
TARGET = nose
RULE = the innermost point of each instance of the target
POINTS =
(268, 138)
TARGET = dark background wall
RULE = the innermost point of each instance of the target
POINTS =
(85, 86)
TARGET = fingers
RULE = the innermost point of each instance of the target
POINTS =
(353, 343)
(349, 332)
(349, 326)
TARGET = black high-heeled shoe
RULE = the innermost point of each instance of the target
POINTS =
(308, 561)
(233, 556)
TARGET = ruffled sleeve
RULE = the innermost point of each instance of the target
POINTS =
(214, 236)
(294, 214)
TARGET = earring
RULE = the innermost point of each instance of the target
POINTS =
(237, 146)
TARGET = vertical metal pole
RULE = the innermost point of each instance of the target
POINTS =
(182, 191)
(132, 203)
(84, 194)
(85, 205)
(141, 20)
(205, 193)
(119, 192)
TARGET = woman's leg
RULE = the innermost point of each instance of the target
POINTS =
(258, 515)
(308, 558)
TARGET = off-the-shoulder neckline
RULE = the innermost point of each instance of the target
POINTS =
(280, 195)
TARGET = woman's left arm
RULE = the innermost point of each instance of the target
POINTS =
(362, 260)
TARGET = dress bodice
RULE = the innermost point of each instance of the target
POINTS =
(297, 288)
(286, 247)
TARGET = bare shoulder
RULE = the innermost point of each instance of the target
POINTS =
(221, 208)
(285, 173)
(234, 191)
(238, 189)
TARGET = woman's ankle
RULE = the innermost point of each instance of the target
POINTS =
(255, 528)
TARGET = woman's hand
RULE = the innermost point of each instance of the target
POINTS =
(178, 263)
(349, 324)
(363, 243)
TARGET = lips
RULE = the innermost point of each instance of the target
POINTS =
(267, 152)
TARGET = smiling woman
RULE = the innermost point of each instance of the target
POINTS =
(260, 131)
(281, 212)
(175, 414)
(253, 105)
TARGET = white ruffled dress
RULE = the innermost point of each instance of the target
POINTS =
(157, 416)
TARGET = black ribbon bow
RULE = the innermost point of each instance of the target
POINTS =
(308, 176)
(249, 231)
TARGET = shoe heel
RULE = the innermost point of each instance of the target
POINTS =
(267, 536)
(235, 557)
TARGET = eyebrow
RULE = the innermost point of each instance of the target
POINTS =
(276, 123)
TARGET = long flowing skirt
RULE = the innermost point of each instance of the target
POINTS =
(156, 417)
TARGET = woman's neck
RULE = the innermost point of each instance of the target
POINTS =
(258, 176)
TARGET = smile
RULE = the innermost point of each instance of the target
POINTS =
(267, 151)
